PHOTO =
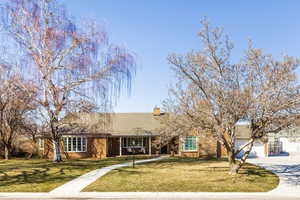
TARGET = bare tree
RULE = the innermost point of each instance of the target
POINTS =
(73, 63)
(32, 129)
(16, 100)
(212, 95)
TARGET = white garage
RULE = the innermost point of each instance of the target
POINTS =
(290, 145)
(243, 135)
(258, 150)
(285, 142)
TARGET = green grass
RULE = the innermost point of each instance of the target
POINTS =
(179, 174)
(37, 175)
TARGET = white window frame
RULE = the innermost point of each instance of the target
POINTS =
(126, 144)
(189, 150)
(68, 141)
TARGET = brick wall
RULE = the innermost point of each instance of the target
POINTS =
(96, 148)
(207, 147)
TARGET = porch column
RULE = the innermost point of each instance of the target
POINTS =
(179, 145)
(150, 145)
(120, 146)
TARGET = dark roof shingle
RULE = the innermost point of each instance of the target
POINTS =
(117, 124)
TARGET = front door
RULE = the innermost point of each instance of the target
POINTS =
(113, 146)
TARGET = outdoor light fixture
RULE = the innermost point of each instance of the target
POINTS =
(133, 153)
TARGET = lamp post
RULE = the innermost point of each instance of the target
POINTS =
(133, 153)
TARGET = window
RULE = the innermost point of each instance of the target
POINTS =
(190, 143)
(74, 144)
(133, 142)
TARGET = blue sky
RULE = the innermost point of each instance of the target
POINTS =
(153, 29)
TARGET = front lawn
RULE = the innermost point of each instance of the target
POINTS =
(179, 174)
(37, 175)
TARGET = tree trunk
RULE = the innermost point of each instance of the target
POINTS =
(234, 165)
(234, 169)
(6, 152)
(57, 152)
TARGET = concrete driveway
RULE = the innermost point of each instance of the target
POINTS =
(287, 168)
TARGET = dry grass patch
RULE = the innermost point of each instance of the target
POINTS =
(185, 175)
(37, 175)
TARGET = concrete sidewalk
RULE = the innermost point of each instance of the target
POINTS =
(78, 184)
(154, 195)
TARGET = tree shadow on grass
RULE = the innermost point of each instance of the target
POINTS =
(41, 176)
(289, 173)
(251, 170)
(48, 172)
(192, 160)
(169, 162)
(211, 169)
(35, 177)
(130, 171)
(3, 176)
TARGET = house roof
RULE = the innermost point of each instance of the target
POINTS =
(243, 132)
(125, 124)
(117, 124)
(289, 132)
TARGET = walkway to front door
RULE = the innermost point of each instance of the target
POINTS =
(78, 184)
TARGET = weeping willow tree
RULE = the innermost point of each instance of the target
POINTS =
(73, 62)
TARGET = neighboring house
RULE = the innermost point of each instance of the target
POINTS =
(287, 141)
(23, 145)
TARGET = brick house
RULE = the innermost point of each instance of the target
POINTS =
(123, 134)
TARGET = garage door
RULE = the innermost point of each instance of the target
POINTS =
(257, 149)
(291, 145)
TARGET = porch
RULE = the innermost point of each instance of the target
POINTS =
(128, 145)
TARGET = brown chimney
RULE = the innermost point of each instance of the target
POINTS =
(156, 111)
